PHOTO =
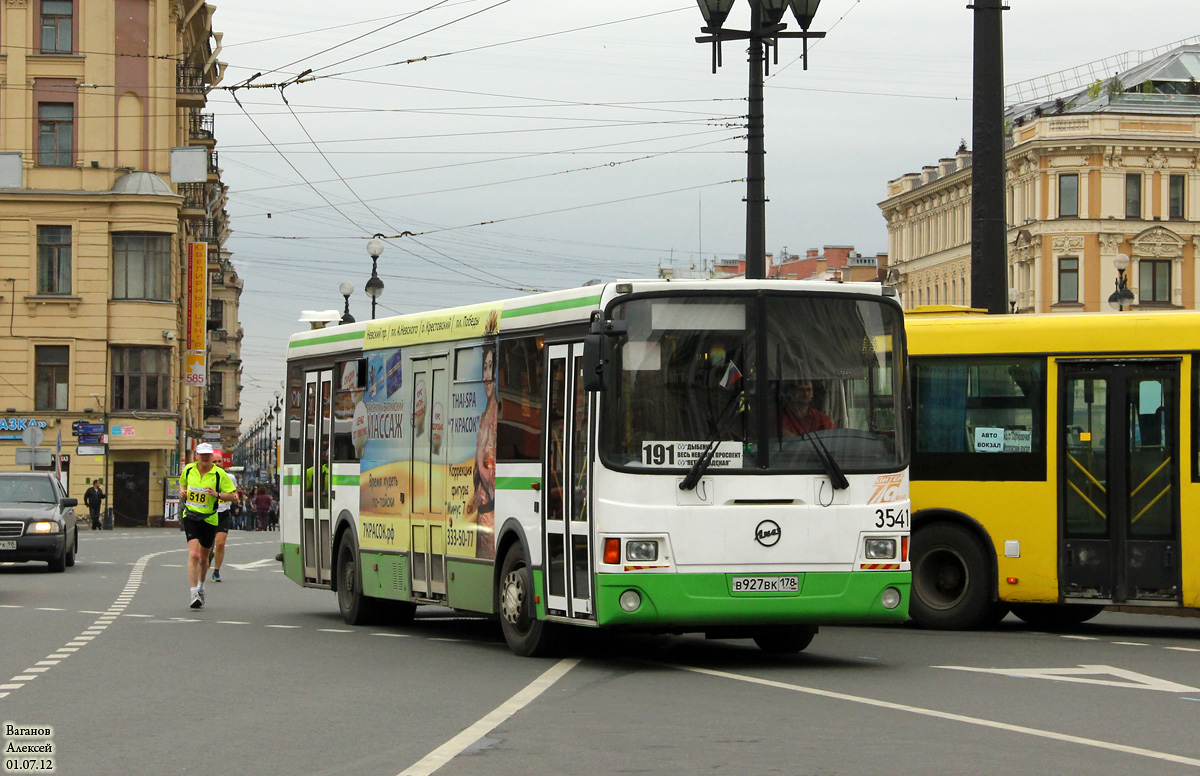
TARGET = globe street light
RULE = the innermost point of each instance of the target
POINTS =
(1013, 296)
(374, 285)
(1122, 295)
(345, 289)
(765, 30)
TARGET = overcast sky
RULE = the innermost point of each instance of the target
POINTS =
(537, 144)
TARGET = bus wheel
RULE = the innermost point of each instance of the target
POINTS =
(779, 641)
(356, 608)
(950, 580)
(1056, 616)
(526, 635)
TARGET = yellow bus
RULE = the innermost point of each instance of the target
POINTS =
(1054, 465)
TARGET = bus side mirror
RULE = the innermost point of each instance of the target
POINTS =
(597, 352)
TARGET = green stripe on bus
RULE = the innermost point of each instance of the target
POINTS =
(291, 479)
(549, 307)
(345, 479)
(517, 483)
(341, 337)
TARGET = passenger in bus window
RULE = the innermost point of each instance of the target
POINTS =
(798, 416)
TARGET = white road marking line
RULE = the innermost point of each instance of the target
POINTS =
(436, 638)
(1183, 649)
(48, 609)
(138, 615)
(92, 631)
(10, 606)
(1083, 674)
(335, 630)
(1131, 643)
(988, 723)
(289, 627)
(455, 746)
(392, 635)
(231, 622)
(1081, 638)
(89, 611)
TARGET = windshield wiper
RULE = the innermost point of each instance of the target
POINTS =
(702, 462)
(832, 469)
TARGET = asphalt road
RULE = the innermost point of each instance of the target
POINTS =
(268, 680)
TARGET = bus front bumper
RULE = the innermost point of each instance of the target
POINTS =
(702, 601)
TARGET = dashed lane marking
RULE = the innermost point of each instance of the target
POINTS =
(83, 639)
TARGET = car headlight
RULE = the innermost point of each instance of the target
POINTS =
(44, 527)
(881, 549)
(641, 550)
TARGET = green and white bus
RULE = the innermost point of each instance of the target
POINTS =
(625, 456)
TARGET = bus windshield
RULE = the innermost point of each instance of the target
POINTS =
(756, 381)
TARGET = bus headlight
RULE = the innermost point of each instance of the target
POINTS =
(881, 549)
(890, 598)
(43, 527)
(631, 600)
(641, 550)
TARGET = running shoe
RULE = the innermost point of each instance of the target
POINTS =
(197, 600)
(216, 575)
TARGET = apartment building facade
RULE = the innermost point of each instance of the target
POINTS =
(1112, 169)
(94, 237)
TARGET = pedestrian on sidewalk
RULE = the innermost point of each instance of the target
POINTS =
(262, 506)
(94, 497)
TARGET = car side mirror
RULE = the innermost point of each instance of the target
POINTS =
(70, 502)
(597, 352)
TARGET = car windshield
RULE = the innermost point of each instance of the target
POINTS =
(35, 490)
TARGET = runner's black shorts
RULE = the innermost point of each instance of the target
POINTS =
(223, 521)
(196, 528)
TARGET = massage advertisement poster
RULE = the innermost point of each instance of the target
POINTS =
(427, 430)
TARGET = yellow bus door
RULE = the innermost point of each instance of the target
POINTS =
(1119, 481)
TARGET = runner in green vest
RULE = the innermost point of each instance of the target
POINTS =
(201, 486)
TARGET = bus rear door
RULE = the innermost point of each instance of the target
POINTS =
(430, 480)
(565, 474)
(1119, 481)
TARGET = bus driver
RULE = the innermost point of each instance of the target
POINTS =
(798, 416)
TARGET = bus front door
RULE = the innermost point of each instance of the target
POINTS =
(1119, 481)
(565, 477)
(315, 517)
(429, 475)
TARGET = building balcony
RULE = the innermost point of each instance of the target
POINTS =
(195, 200)
(214, 166)
(200, 128)
(189, 86)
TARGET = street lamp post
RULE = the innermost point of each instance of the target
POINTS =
(1013, 295)
(765, 30)
(345, 289)
(374, 285)
(1122, 295)
(278, 441)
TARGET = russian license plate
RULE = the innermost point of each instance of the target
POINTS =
(788, 584)
(8, 544)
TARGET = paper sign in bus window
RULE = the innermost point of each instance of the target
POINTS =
(989, 440)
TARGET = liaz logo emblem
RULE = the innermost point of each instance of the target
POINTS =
(767, 533)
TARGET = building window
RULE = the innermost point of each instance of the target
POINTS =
(54, 259)
(214, 394)
(141, 379)
(51, 366)
(1175, 196)
(56, 122)
(1154, 280)
(1133, 195)
(56, 26)
(216, 314)
(1068, 279)
(1068, 195)
(142, 266)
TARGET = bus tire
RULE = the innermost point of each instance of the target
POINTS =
(1056, 616)
(356, 608)
(786, 640)
(526, 635)
(950, 580)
